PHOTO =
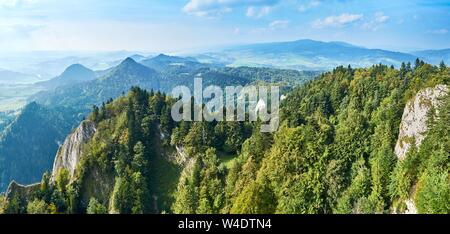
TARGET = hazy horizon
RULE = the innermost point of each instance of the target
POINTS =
(199, 50)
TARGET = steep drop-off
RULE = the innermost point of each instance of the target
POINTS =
(415, 116)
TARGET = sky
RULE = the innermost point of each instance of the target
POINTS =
(190, 25)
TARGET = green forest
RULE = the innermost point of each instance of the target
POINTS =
(333, 154)
(35, 134)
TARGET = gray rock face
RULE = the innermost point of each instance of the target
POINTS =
(413, 128)
(415, 116)
(70, 153)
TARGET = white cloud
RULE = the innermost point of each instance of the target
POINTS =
(279, 24)
(441, 31)
(309, 5)
(272, 26)
(212, 8)
(212, 13)
(337, 21)
(376, 22)
(258, 12)
(380, 17)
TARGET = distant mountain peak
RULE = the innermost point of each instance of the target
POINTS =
(75, 68)
(164, 62)
(138, 57)
(77, 72)
(167, 58)
(31, 105)
(163, 56)
(341, 43)
(73, 74)
(31, 108)
(130, 66)
(305, 41)
(128, 61)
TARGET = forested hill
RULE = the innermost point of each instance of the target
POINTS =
(163, 73)
(334, 153)
(28, 144)
(80, 91)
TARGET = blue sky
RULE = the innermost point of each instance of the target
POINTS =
(183, 25)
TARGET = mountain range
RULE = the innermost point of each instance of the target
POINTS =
(316, 55)
(301, 55)
(49, 64)
(351, 141)
(164, 62)
(70, 97)
(434, 56)
(12, 77)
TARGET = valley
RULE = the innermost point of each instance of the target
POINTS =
(15, 96)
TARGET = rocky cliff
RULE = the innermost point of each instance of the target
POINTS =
(21, 191)
(413, 127)
(70, 152)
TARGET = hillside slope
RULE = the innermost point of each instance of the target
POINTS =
(334, 153)
(28, 144)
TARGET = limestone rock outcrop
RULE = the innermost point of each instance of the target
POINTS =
(70, 153)
(413, 127)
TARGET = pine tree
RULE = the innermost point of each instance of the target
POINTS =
(95, 207)
(442, 66)
(37, 207)
(139, 163)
